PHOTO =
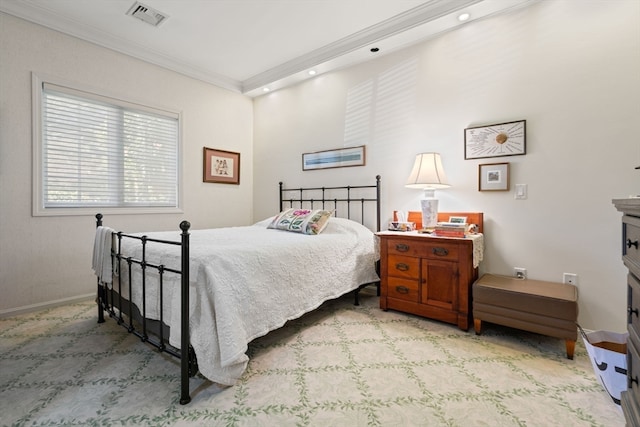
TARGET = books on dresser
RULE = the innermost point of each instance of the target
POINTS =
(450, 229)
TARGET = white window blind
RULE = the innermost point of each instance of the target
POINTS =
(102, 152)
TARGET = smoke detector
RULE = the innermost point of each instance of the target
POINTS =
(146, 14)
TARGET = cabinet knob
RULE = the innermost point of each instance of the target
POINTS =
(402, 289)
(440, 251)
(631, 311)
(630, 243)
(402, 266)
(632, 380)
(401, 247)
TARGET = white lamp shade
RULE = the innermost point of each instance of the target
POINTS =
(427, 172)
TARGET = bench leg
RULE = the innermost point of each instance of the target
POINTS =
(571, 346)
(477, 326)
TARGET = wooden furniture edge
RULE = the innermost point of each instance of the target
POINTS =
(472, 218)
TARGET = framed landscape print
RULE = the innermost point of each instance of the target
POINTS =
(339, 158)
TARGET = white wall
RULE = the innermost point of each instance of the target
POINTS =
(571, 69)
(49, 258)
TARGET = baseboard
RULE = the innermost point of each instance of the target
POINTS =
(44, 305)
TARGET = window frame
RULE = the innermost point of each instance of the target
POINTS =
(38, 208)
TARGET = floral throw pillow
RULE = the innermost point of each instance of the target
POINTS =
(301, 220)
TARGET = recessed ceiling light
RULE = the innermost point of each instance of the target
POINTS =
(265, 89)
(463, 17)
(312, 72)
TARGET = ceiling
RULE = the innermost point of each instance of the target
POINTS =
(249, 45)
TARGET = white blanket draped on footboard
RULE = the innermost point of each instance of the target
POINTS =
(247, 281)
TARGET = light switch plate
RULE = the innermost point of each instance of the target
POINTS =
(521, 191)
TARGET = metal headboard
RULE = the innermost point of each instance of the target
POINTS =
(339, 199)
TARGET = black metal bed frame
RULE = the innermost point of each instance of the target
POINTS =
(107, 301)
(304, 197)
(111, 301)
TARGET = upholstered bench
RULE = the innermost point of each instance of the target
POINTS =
(545, 308)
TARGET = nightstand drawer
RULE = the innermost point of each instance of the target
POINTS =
(404, 289)
(429, 249)
(403, 266)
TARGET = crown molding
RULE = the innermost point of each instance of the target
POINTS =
(412, 18)
(413, 26)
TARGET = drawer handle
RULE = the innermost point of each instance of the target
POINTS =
(402, 266)
(630, 243)
(401, 247)
(631, 311)
(402, 289)
(440, 251)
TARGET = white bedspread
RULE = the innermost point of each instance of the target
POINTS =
(247, 281)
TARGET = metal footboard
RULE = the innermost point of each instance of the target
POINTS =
(124, 311)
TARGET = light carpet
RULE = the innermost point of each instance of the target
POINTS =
(340, 365)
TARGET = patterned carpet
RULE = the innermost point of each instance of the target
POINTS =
(340, 365)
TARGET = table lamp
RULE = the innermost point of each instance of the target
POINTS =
(428, 174)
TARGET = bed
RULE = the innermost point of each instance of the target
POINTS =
(203, 295)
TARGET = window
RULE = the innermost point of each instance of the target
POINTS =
(99, 154)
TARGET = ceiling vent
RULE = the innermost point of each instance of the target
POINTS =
(146, 14)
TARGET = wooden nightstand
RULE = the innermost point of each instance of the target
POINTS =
(427, 275)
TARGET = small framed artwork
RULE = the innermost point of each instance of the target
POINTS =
(339, 158)
(221, 166)
(493, 177)
(503, 139)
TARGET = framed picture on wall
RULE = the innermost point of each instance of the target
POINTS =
(221, 166)
(502, 139)
(339, 158)
(493, 177)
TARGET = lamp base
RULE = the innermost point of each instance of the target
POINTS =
(429, 212)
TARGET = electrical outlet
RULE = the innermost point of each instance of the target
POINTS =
(519, 272)
(570, 278)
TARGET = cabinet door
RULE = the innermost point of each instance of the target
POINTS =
(439, 287)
